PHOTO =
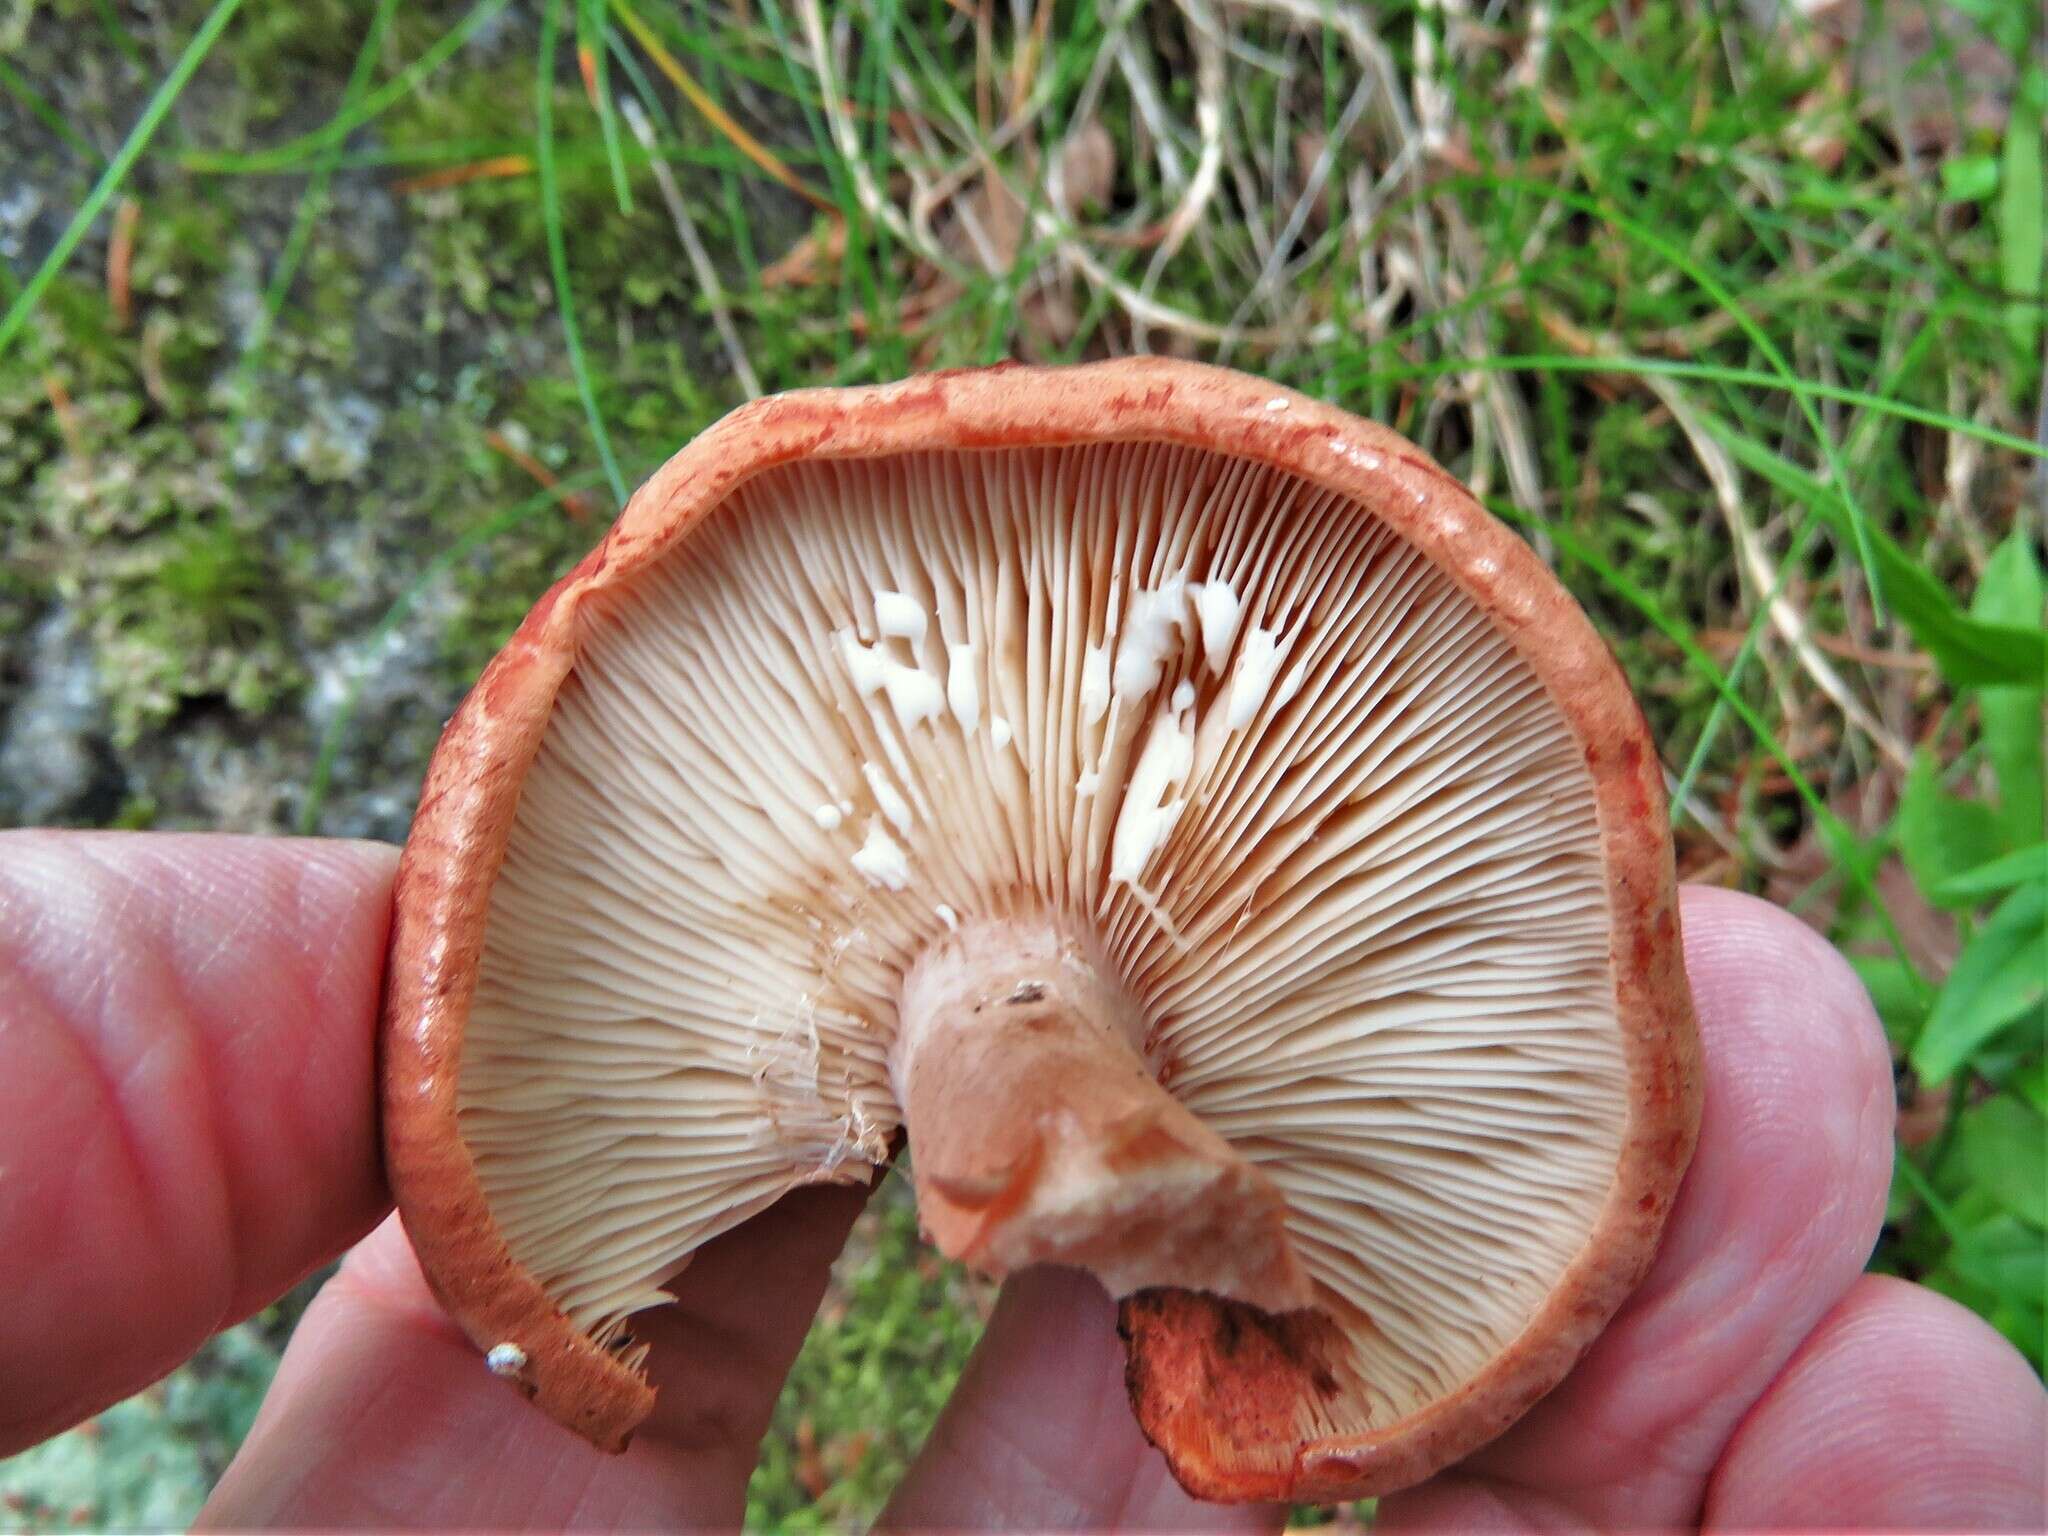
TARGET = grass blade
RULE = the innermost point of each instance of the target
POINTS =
(17, 86)
(118, 168)
(1682, 259)
(2021, 251)
(1712, 373)
(1840, 840)
(312, 203)
(713, 113)
(2001, 874)
(294, 152)
(558, 253)
(1969, 651)
(592, 57)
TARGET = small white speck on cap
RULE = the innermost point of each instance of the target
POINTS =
(1277, 403)
(1363, 458)
(505, 1360)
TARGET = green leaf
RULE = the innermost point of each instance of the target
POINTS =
(2006, 1258)
(1969, 178)
(2011, 589)
(2001, 977)
(2031, 1084)
(1969, 651)
(1890, 983)
(2001, 874)
(1941, 835)
(2010, 592)
(2004, 1148)
(2019, 211)
(2024, 1326)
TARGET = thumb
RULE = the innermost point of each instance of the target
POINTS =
(1039, 1434)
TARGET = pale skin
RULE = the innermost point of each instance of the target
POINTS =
(186, 1128)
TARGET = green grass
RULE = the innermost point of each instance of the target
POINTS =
(1760, 377)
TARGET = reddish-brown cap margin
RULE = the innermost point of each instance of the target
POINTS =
(472, 787)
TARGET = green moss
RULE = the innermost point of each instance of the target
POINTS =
(897, 1329)
(147, 1463)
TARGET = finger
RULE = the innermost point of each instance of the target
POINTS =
(384, 1414)
(1777, 1215)
(1902, 1410)
(186, 1116)
(1039, 1434)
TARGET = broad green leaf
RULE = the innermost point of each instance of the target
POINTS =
(2020, 243)
(1969, 178)
(2000, 978)
(2005, 1257)
(1969, 652)
(2000, 874)
(1890, 983)
(2024, 1325)
(1904, 1195)
(2004, 1147)
(2031, 1083)
(1941, 835)
(2009, 592)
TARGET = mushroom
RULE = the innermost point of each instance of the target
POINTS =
(1173, 805)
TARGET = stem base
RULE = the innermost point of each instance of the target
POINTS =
(1039, 1136)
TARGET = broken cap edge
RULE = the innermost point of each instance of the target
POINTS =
(464, 819)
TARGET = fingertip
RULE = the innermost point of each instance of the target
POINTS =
(1901, 1409)
(1800, 1100)
(186, 1109)
(1752, 963)
(1039, 1432)
(383, 1269)
(331, 866)
(1778, 1213)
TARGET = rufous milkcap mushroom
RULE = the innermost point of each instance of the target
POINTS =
(1173, 805)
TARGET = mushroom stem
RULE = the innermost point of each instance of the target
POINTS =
(1038, 1134)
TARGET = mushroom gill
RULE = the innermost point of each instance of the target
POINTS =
(1321, 824)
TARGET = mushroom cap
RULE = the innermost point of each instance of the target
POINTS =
(1578, 1032)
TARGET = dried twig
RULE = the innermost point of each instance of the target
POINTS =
(713, 113)
(121, 263)
(66, 414)
(575, 503)
(700, 259)
(494, 168)
(1784, 614)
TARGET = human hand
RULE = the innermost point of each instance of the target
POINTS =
(187, 1127)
